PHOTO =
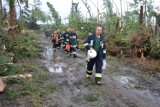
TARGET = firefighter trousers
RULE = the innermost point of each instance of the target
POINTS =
(98, 65)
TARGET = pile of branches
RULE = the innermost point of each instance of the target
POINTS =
(140, 43)
(6, 58)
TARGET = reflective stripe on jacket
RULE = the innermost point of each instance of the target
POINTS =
(90, 42)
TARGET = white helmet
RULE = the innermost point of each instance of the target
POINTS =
(92, 53)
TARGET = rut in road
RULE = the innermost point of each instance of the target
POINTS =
(74, 90)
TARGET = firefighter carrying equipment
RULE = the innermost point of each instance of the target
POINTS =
(68, 47)
(91, 53)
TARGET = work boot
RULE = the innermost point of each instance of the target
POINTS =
(98, 81)
(74, 56)
(54, 49)
(88, 74)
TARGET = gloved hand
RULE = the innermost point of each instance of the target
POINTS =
(91, 48)
(104, 64)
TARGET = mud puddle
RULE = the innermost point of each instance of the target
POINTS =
(54, 64)
(131, 82)
(73, 87)
(126, 81)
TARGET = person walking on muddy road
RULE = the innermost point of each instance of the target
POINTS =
(96, 42)
(66, 39)
(55, 40)
(73, 38)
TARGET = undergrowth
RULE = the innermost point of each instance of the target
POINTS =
(16, 59)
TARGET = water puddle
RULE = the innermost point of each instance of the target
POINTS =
(131, 83)
(56, 68)
(53, 63)
(127, 81)
(148, 94)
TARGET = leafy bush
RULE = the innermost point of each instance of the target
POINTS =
(25, 46)
(155, 47)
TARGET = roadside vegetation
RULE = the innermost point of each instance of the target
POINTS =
(132, 37)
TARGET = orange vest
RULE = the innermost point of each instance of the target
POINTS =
(68, 47)
(55, 36)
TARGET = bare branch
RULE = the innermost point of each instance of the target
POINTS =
(88, 7)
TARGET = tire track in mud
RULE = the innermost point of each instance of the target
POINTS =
(74, 90)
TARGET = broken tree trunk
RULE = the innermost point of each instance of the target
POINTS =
(1, 6)
(12, 15)
(141, 16)
(19, 76)
(119, 24)
(1, 10)
(157, 23)
(2, 85)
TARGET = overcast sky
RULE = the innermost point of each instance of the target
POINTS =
(64, 6)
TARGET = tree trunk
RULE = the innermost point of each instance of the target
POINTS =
(0, 5)
(1, 10)
(12, 15)
(119, 24)
(141, 16)
(156, 26)
(121, 7)
(145, 12)
(98, 13)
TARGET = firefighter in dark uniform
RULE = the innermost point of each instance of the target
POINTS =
(60, 38)
(96, 41)
(73, 42)
(66, 38)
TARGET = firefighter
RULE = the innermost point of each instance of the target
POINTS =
(73, 43)
(60, 38)
(96, 41)
(55, 40)
(66, 39)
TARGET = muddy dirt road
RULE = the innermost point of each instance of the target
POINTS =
(123, 86)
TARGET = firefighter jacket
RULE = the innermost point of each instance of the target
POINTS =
(90, 43)
(73, 39)
(66, 36)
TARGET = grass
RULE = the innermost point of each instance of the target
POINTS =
(92, 96)
(36, 87)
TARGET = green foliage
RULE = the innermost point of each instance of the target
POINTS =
(38, 14)
(11, 70)
(33, 87)
(155, 47)
(121, 40)
(130, 23)
(12, 93)
(108, 6)
(11, 3)
(5, 68)
(3, 60)
(25, 46)
(84, 27)
(3, 36)
(55, 15)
